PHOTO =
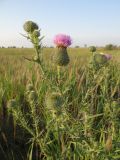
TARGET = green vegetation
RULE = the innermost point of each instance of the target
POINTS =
(86, 127)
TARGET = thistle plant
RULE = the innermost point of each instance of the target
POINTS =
(31, 119)
(33, 34)
(61, 57)
(75, 119)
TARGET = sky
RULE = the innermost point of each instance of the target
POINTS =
(91, 22)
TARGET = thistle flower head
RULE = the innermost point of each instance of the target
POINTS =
(29, 87)
(30, 26)
(102, 58)
(62, 40)
(108, 56)
(54, 100)
(92, 49)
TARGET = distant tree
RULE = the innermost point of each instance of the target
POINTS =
(85, 45)
(77, 46)
(11, 46)
(110, 47)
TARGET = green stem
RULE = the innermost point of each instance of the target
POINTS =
(58, 72)
(58, 133)
(85, 124)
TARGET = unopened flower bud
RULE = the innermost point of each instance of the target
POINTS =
(36, 33)
(92, 49)
(29, 87)
(36, 59)
(30, 26)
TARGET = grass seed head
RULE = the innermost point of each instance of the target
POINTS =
(108, 145)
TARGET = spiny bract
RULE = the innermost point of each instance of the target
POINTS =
(61, 57)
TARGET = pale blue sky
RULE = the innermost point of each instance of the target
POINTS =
(86, 21)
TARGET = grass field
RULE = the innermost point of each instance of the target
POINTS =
(87, 127)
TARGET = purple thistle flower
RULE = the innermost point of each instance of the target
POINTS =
(62, 40)
(108, 56)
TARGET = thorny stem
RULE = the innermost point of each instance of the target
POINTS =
(38, 55)
(33, 109)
